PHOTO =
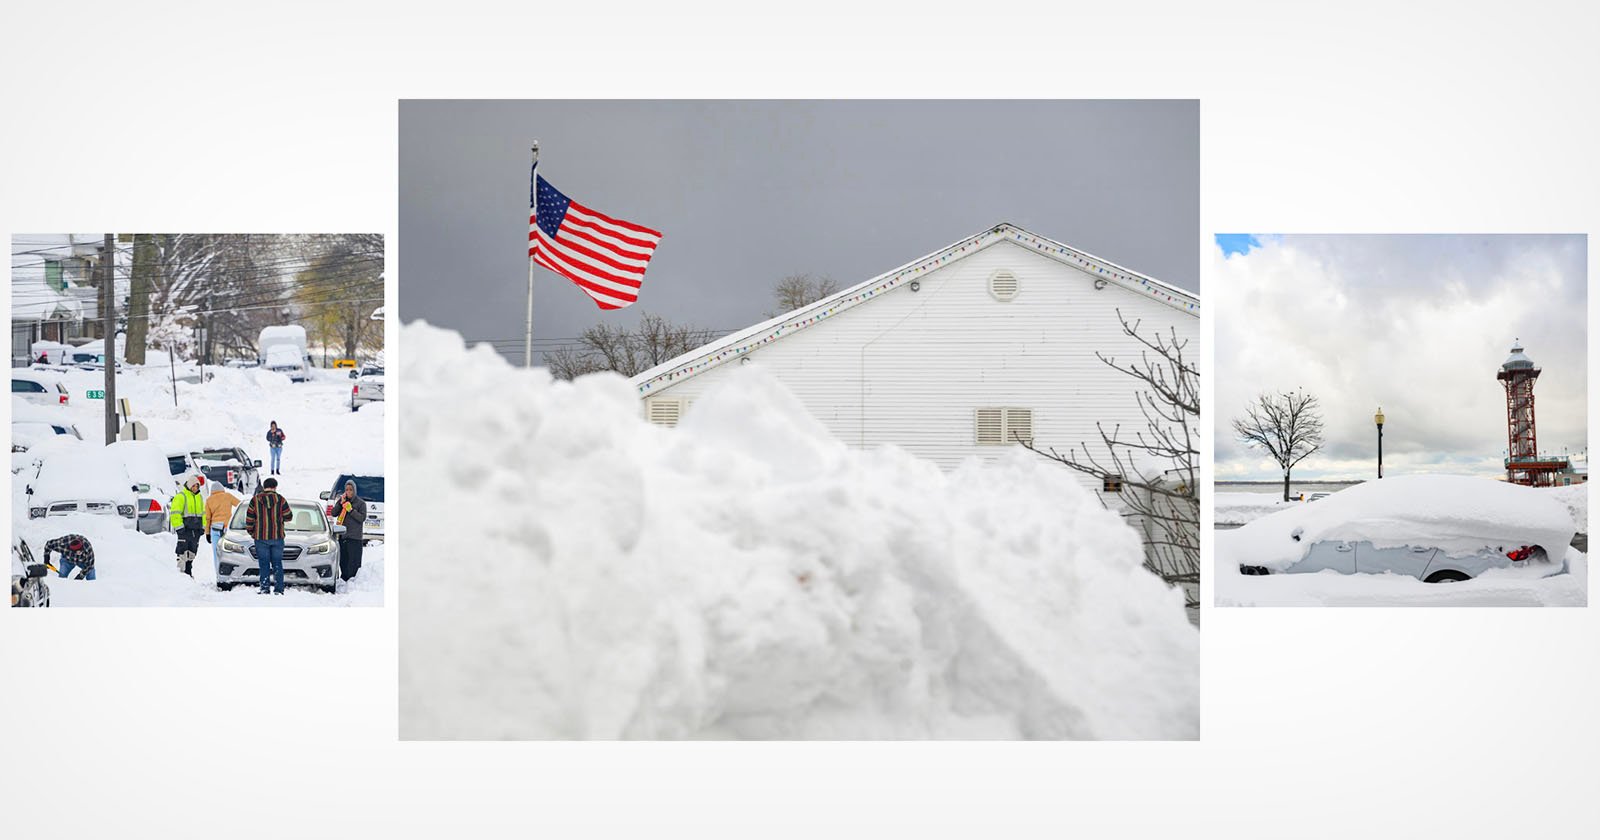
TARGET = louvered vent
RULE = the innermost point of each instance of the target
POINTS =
(1019, 425)
(991, 431)
(1000, 426)
(1003, 285)
(665, 412)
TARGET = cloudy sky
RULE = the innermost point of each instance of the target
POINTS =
(748, 192)
(1416, 324)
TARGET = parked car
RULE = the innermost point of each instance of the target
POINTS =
(369, 488)
(1436, 529)
(27, 577)
(148, 465)
(366, 370)
(368, 389)
(228, 466)
(37, 386)
(310, 550)
(91, 481)
(283, 349)
(27, 453)
(242, 363)
(286, 361)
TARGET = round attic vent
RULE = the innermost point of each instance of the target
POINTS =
(1003, 285)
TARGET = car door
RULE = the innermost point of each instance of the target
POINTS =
(1408, 560)
(1338, 555)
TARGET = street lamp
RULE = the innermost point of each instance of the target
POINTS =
(1378, 418)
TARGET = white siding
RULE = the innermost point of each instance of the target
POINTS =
(912, 368)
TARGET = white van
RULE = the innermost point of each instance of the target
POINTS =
(283, 349)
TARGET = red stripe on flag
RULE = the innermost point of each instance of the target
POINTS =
(571, 229)
(560, 248)
(618, 222)
(591, 288)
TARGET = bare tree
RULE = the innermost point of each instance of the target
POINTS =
(1287, 425)
(797, 290)
(1154, 473)
(624, 350)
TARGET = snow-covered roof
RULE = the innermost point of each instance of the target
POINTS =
(735, 344)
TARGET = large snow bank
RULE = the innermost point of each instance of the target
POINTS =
(748, 576)
(1576, 500)
(1459, 515)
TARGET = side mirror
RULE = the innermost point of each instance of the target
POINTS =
(141, 488)
(325, 495)
(38, 570)
(339, 529)
(258, 463)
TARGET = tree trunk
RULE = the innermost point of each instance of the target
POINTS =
(145, 264)
(1286, 485)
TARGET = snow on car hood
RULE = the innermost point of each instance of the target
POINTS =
(82, 475)
(748, 575)
(1455, 513)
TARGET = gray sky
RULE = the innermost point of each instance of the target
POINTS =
(748, 192)
(1417, 324)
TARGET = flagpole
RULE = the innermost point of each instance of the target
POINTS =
(533, 188)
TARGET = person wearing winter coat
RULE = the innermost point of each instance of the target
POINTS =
(352, 512)
(264, 518)
(188, 511)
(275, 444)
(219, 509)
(76, 553)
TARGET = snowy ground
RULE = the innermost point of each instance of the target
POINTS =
(325, 439)
(1501, 587)
(746, 575)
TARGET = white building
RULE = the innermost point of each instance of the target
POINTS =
(954, 354)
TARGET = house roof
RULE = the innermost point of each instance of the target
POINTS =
(736, 344)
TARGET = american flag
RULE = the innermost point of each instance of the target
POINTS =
(605, 256)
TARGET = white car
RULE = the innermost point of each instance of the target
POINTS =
(147, 465)
(1434, 528)
(38, 387)
(368, 389)
(89, 481)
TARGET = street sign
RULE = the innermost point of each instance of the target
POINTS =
(95, 395)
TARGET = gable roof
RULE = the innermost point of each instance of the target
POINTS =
(736, 344)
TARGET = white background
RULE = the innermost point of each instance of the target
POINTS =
(1367, 117)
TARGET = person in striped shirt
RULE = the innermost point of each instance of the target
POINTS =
(264, 519)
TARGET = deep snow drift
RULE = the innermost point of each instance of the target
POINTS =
(747, 576)
(325, 439)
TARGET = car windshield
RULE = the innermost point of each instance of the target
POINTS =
(217, 455)
(307, 518)
(369, 487)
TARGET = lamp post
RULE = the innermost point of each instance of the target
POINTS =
(1378, 418)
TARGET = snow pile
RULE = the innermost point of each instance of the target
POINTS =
(1510, 587)
(1239, 508)
(1575, 499)
(1456, 514)
(589, 575)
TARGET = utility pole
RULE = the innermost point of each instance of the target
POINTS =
(108, 312)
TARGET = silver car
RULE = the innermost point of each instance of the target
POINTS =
(310, 550)
(1423, 562)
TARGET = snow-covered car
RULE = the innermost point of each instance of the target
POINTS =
(242, 363)
(91, 481)
(1433, 528)
(37, 386)
(287, 361)
(370, 489)
(228, 466)
(368, 389)
(147, 465)
(27, 433)
(310, 550)
(27, 577)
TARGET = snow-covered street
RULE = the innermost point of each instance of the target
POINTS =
(233, 408)
(747, 575)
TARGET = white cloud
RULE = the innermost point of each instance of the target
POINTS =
(1418, 324)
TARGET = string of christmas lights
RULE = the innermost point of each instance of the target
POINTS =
(836, 306)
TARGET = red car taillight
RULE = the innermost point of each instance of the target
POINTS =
(1519, 554)
(63, 399)
(155, 506)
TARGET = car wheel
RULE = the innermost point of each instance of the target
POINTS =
(1447, 576)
